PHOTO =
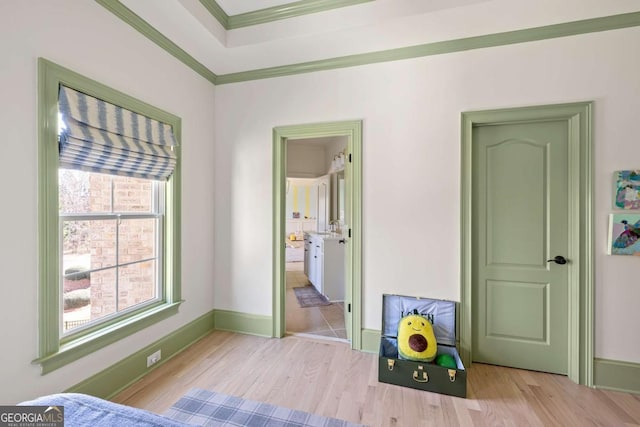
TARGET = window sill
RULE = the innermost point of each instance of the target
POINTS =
(87, 344)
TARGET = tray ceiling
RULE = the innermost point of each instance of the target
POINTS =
(338, 28)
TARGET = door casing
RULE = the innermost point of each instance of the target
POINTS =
(580, 309)
(353, 131)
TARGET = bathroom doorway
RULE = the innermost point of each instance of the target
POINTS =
(350, 228)
(314, 238)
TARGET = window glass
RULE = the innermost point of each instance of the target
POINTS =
(110, 233)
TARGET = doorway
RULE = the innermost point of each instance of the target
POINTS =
(352, 131)
(526, 200)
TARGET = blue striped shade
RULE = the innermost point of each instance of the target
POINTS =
(102, 137)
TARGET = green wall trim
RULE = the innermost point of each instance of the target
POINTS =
(289, 10)
(616, 375)
(217, 12)
(55, 351)
(581, 246)
(117, 377)
(371, 341)
(275, 13)
(244, 323)
(353, 131)
(443, 47)
(144, 28)
(566, 29)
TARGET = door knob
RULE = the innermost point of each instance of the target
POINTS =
(558, 259)
(343, 241)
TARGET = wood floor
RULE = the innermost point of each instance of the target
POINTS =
(330, 379)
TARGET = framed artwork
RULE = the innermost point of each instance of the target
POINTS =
(624, 233)
(627, 189)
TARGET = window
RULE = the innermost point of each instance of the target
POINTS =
(109, 208)
(111, 229)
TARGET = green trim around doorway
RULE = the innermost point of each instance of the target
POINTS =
(581, 248)
(353, 131)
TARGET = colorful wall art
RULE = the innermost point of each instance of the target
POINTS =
(624, 233)
(627, 189)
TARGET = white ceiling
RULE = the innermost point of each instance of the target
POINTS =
(361, 28)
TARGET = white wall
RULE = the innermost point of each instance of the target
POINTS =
(83, 36)
(411, 111)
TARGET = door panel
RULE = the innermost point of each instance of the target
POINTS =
(515, 193)
(520, 212)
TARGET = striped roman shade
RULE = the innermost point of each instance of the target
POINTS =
(104, 138)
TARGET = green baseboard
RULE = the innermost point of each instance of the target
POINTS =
(616, 375)
(371, 341)
(252, 324)
(117, 377)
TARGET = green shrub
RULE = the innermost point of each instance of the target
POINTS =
(72, 270)
(77, 298)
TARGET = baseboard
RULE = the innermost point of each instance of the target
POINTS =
(244, 323)
(117, 377)
(616, 375)
(370, 341)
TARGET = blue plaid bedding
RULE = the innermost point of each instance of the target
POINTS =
(206, 408)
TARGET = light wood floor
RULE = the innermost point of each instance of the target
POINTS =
(330, 379)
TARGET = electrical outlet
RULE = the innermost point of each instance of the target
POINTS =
(154, 358)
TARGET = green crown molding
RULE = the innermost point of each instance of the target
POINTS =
(144, 28)
(214, 9)
(275, 13)
(286, 11)
(566, 29)
(438, 48)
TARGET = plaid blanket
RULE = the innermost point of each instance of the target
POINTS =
(207, 408)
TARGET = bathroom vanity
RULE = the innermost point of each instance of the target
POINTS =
(324, 263)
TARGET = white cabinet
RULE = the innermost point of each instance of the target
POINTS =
(324, 264)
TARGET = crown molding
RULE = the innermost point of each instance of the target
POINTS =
(217, 12)
(566, 29)
(275, 13)
(147, 30)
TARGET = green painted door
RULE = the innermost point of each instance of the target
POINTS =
(520, 219)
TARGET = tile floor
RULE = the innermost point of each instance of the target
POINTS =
(326, 321)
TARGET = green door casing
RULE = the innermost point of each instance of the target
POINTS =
(353, 220)
(520, 200)
(527, 197)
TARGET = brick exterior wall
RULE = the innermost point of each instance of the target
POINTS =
(136, 242)
(92, 245)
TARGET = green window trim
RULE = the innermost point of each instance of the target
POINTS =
(55, 352)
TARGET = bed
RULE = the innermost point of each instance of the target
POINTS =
(85, 410)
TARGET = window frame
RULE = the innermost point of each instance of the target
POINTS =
(54, 350)
(158, 214)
